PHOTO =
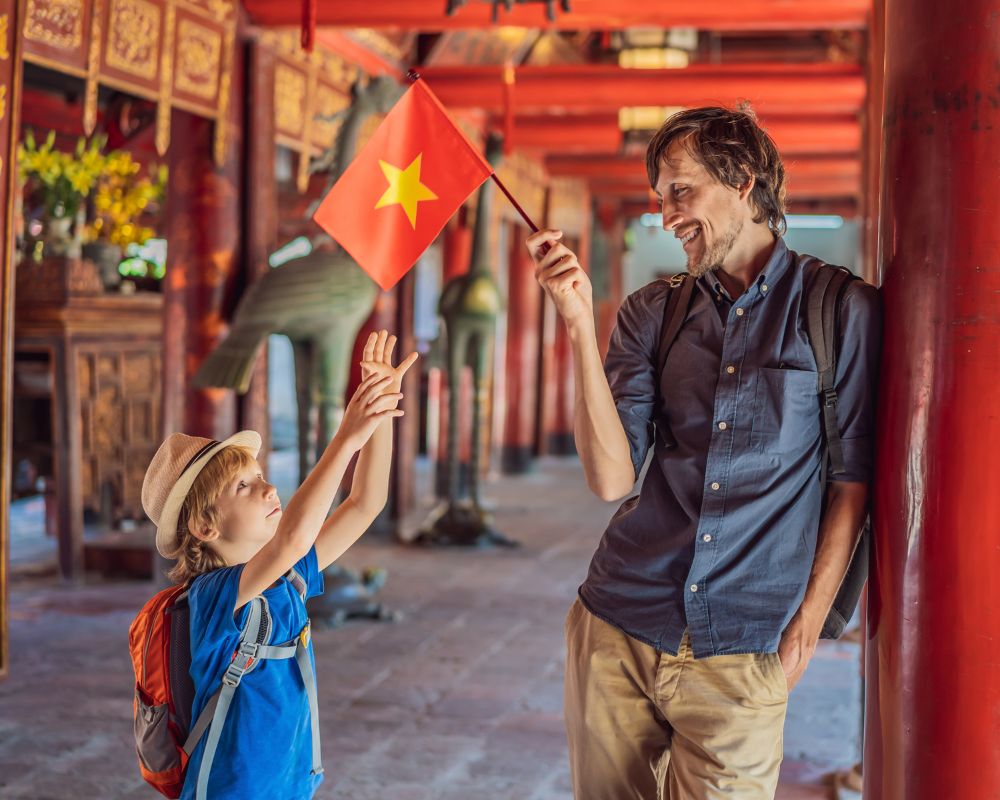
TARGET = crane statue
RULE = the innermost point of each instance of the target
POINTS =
(319, 301)
(469, 306)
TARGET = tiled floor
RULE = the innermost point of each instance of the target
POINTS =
(459, 699)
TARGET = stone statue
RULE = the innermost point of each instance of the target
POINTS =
(320, 302)
(469, 306)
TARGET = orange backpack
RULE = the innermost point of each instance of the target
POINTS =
(159, 642)
(160, 645)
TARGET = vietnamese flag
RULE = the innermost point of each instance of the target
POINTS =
(401, 189)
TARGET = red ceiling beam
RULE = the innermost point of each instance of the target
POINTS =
(802, 89)
(589, 134)
(845, 207)
(798, 188)
(428, 15)
(610, 168)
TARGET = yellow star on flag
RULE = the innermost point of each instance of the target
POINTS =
(405, 188)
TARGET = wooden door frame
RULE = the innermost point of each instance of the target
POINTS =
(12, 68)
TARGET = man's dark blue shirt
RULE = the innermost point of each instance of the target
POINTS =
(721, 538)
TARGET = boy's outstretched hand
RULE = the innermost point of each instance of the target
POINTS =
(372, 403)
(377, 360)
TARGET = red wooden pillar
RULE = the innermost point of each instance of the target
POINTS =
(203, 235)
(609, 219)
(523, 336)
(872, 126)
(261, 222)
(934, 637)
(561, 441)
(11, 69)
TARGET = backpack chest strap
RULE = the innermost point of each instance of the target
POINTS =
(250, 653)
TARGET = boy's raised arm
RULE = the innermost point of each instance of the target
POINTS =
(303, 517)
(370, 487)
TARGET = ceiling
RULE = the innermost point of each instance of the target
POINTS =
(590, 85)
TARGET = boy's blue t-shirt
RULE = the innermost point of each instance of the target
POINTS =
(266, 744)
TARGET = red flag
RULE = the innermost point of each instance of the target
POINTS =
(401, 189)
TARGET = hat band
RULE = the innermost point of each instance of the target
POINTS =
(199, 454)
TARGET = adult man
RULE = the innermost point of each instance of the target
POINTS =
(708, 592)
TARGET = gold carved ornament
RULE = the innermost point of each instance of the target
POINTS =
(133, 38)
(57, 23)
(198, 60)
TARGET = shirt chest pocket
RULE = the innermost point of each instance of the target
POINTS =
(785, 410)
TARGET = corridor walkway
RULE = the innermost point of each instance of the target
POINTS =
(459, 700)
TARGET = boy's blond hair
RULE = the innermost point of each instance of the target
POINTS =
(193, 555)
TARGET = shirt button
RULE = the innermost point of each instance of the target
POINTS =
(739, 312)
(707, 537)
(763, 288)
(694, 587)
(730, 369)
(722, 426)
(715, 487)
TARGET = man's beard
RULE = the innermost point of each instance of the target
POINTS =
(713, 257)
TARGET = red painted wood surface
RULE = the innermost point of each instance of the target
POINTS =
(934, 636)
(845, 186)
(802, 168)
(203, 224)
(599, 133)
(799, 89)
(764, 15)
(524, 305)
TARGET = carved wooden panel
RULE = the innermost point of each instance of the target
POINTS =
(329, 101)
(290, 84)
(119, 391)
(58, 32)
(133, 37)
(197, 62)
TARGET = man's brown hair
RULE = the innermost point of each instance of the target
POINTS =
(731, 146)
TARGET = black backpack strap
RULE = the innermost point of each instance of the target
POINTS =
(825, 292)
(674, 313)
(823, 298)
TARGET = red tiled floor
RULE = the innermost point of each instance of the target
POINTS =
(461, 699)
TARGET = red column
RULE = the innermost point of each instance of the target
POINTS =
(203, 215)
(872, 153)
(934, 639)
(561, 441)
(261, 234)
(523, 336)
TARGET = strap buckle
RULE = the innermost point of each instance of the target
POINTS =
(243, 660)
(830, 398)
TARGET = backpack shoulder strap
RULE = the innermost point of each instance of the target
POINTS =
(824, 293)
(674, 313)
(213, 716)
(298, 582)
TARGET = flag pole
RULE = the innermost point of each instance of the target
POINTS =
(513, 202)
(413, 76)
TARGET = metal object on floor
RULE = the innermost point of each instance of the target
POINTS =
(463, 524)
(349, 595)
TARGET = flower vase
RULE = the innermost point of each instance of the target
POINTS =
(59, 239)
(107, 257)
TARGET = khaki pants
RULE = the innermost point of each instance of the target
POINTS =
(644, 724)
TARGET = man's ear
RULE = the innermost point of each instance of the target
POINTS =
(201, 531)
(747, 186)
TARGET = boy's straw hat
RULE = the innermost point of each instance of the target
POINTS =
(172, 473)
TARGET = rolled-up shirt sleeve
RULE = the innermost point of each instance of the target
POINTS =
(857, 379)
(630, 367)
